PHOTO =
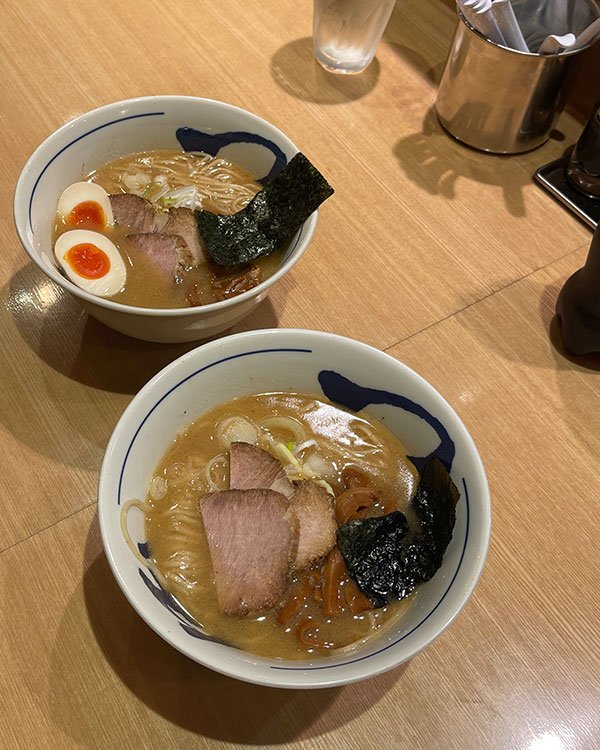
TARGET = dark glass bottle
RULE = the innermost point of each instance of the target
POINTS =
(578, 304)
(583, 170)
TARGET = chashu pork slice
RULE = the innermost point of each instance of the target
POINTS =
(251, 467)
(314, 508)
(252, 539)
(137, 213)
(168, 253)
(182, 222)
(143, 218)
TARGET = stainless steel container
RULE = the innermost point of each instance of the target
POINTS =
(501, 100)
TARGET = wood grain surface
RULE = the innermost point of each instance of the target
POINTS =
(447, 258)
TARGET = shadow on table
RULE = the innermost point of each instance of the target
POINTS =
(62, 341)
(296, 71)
(522, 349)
(402, 35)
(435, 162)
(431, 69)
(75, 344)
(575, 411)
(505, 330)
(564, 359)
(521, 327)
(171, 685)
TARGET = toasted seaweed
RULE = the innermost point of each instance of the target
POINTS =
(375, 551)
(386, 558)
(271, 217)
(434, 504)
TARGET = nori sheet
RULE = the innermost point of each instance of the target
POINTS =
(272, 216)
(386, 558)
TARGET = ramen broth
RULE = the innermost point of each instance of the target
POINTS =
(223, 188)
(174, 528)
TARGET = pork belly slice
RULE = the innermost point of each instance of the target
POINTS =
(251, 467)
(243, 278)
(168, 253)
(314, 507)
(252, 539)
(141, 217)
(137, 213)
(182, 222)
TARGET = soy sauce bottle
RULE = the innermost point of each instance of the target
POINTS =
(583, 169)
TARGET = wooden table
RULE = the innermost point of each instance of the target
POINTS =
(448, 259)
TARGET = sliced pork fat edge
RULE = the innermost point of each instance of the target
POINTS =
(251, 467)
(168, 253)
(252, 539)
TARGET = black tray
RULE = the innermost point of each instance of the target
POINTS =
(554, 179)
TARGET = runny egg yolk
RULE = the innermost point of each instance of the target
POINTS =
(88, 261)
(87, 215)
(91, 261)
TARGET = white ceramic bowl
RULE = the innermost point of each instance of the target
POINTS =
(310, 362)
(138, 125)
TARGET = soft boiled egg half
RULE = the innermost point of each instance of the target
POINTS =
(91, 261)
(85, 205)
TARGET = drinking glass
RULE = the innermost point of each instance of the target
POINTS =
(346, 32)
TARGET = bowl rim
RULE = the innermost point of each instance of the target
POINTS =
(315, 677)
(298, 243)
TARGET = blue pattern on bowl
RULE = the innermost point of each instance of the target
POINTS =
(212, 143)
(342, 391)
(348, 394)
(190, 140)
(76, 140)
(186, 621)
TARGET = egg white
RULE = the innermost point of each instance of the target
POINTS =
(112, 282)
(80, 192)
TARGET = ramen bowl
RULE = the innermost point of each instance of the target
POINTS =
(350, 374)
(157, 122)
